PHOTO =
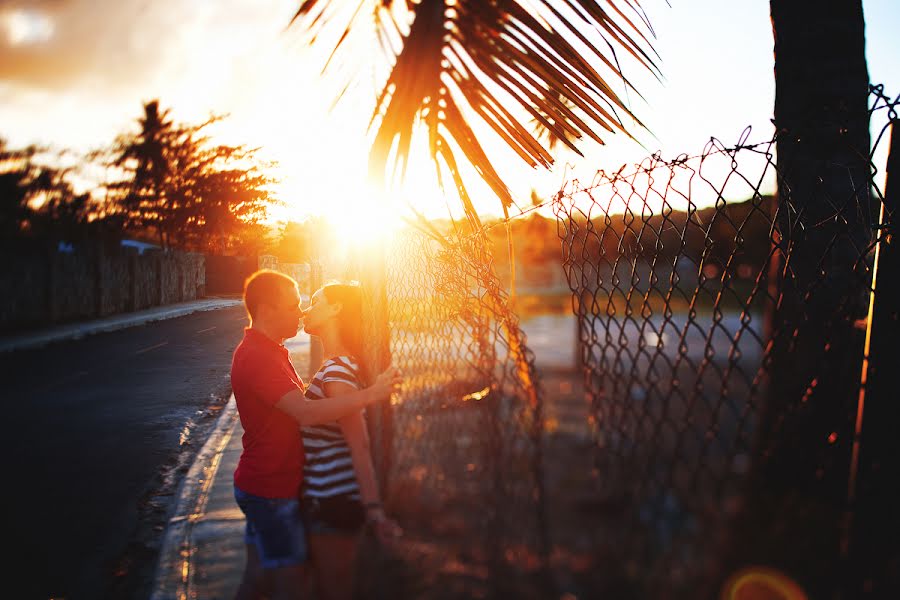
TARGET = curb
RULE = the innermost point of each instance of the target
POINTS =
(174, 572)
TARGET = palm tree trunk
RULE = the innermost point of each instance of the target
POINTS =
(797, 502)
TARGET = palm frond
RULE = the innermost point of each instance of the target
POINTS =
(455, 63)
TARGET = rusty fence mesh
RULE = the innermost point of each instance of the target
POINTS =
(722, 331)
(462, 468)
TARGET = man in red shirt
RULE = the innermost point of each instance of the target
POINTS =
(272, 407)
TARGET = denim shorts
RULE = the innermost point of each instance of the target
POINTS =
(275, 527)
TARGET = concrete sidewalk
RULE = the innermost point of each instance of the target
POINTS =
(202, 555)
(70, 331)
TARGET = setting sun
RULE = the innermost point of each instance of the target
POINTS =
(363, 221)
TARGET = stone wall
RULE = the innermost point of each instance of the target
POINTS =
(45, 288)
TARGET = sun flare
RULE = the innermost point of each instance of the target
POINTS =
(364, 222)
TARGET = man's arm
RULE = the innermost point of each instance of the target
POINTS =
(308, 412)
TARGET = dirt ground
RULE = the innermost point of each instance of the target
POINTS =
(460, 543)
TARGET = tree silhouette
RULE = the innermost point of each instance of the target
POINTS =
(17, 174)
(147, 155)
(295, 242)
(187, 191)
(37, 202)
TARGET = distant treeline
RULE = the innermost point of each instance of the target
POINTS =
(165, 183)
(739, 232)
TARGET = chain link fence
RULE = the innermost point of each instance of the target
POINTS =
(459, 449)
(722, 349)
(722, 330)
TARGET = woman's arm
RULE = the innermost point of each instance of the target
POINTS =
(357, 435)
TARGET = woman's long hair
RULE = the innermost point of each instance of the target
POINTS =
(350, 320)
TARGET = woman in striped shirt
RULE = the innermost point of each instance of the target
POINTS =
(340, 491)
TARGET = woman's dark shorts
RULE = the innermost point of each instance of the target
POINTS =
(335, 514)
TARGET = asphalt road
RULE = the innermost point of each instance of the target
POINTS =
(97, 433)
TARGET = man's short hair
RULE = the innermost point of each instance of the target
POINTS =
(264, 286)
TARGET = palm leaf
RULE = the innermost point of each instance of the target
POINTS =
(453, 63)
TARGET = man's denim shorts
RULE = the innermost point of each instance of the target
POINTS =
(275, 527)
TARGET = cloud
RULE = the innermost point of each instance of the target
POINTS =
(80, 77)
(107, 44)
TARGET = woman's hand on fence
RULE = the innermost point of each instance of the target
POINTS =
(387, 382)
(386, 530)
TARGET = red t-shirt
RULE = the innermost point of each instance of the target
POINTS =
(271, 464)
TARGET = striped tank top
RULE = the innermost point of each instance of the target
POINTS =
(328, 469)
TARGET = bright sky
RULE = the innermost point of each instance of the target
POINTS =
(75, 72)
